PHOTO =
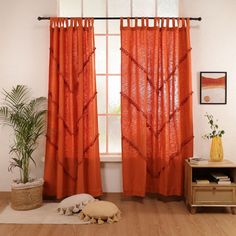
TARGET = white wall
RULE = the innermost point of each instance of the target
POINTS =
(24, 51)
(214, 49)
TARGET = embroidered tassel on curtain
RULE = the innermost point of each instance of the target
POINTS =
(72, 162)
(156, 105)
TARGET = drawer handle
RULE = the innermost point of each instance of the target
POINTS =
(214, 189)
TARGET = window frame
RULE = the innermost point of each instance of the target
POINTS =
(107, 76)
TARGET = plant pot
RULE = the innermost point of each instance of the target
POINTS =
(27, 196)
(216, 153)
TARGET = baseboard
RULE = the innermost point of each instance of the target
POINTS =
(7, 194)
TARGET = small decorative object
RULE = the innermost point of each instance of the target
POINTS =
(73, 204)
(26, 117)
(100, 212)
(216, 153)
(213, 87)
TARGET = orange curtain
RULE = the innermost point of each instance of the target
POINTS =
(156, 105)
(72, 162)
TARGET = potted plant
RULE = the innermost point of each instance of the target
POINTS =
(26, 117)
(216, 153)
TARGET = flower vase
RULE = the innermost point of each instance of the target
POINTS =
(216, 153)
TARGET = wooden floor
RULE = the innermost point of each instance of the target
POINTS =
(139, 218)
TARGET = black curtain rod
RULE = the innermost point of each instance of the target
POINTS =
(118, 18)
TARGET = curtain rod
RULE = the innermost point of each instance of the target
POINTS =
(118, 18)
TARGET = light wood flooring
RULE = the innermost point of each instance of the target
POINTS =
(140, 217)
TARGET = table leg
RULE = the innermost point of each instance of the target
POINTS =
(233, 210)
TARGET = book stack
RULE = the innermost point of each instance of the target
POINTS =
(221, 178)
(198, 161)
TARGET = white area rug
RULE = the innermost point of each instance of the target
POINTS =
(45, 214)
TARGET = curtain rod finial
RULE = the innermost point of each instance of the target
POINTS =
(43, 18)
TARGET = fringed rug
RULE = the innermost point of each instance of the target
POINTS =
(46, 214)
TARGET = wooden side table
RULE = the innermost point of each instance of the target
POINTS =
(211, 194)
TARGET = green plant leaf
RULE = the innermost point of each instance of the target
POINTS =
(27, 118)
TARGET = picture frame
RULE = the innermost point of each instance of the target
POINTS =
(213, 87)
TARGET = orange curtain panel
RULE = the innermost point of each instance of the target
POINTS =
(72, 162)
(156, 105)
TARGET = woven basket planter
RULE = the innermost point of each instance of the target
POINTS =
(27, 196)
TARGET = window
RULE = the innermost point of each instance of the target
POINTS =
(108, 58)
(108, 82)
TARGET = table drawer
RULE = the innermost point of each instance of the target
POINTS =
(214, 195)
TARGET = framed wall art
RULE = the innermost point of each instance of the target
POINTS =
(213, 87)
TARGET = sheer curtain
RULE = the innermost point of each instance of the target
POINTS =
(156, 105)
(72, 162)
